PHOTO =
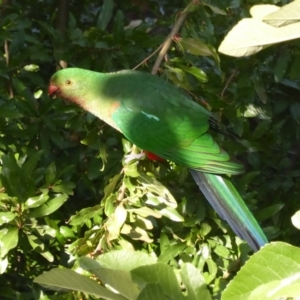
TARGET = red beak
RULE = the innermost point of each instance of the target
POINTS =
(52, 89)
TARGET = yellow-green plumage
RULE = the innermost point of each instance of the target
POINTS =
(157, 117)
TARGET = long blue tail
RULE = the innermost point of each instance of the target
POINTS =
(229, 205)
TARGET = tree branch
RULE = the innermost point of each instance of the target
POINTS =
(169, 39)
(6, 50)
(61, 24)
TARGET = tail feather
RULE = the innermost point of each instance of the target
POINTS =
(229, 205)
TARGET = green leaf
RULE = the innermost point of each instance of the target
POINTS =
(262, 10)
(212, 269)
(37, 201)
(196, 72)
(151, 291)
(178, 77)
(261, 129)
(269, 211)
(9, 238)
(110, 187)
(65, 187)
(125, 260)
(281, 16)
(31, 68)
(152, 185)
(35, 243)
(194, 282)
(295, 111)
(296, 219)
(145, 212)
(179, 73)
(50, 173)
(250, 36)
(64, 280)
(147, 223)
(215, 9)
(116, 221)
(85, 214)
(118, 27)
(256, 111)
(195, 46)
(274, 273)
(281, 65)
(260, 89)
(38, 246)
(29, 166)
(127, 146)
(119, 280)
(98, 45)
(66, 232)
(159, 273)
(248, 178)
(48, 208)
(47, 231)
(6, 217)
(171, 252)
(3, 265)
(9, 113)
(105, 14)
(136, 233)
(172, 214)
(222, 251)
(109, 206)
(131, 170)
(13, 179)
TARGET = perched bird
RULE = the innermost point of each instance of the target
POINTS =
(157, 117)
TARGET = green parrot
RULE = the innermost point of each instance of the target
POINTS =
(157, 117)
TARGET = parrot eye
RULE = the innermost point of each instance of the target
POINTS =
(68, 82)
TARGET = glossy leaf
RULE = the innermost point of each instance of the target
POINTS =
(85, 214)
(171, 252)
(63, 280)
(250, 36)
(6, 217)
(105, 14)
(49, 207)
(270, 276)
(37, 201)
(116, 222)
(124, 260)
(9, 238)
(195, 46)
(161, 273)
(194, 283)
(119, 280)
(3, 265)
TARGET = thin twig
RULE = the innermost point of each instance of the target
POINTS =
(10, 86)
(61, 24)
(235, 71)
(6, 50)
(147, 58)
(169, 39)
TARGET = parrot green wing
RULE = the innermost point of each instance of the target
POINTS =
(158, 118)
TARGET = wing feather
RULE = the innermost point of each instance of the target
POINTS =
(157, 117)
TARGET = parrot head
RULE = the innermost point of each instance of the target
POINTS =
(69, 84)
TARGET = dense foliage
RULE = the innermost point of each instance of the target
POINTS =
(65, 189)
